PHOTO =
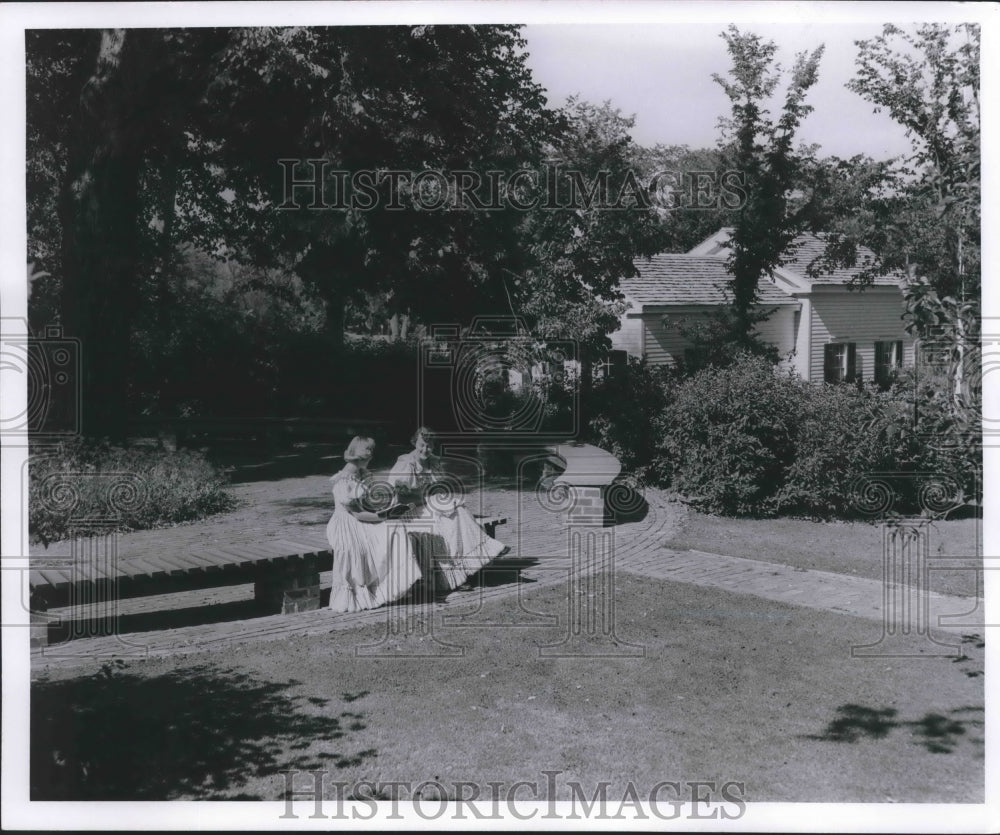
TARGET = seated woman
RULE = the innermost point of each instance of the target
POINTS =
(459, 547)
(369, 568)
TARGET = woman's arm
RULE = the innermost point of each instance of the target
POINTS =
(403, 477)
(345, 494)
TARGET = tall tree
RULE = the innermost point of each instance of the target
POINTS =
(103, 105)
(691, 190)
(380, 99)
(593, 219)
(763, 149)
(928, 81)
(175, 135)
(100, 224)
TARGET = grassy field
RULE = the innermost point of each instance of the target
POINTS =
(841, 547)
(729, 688)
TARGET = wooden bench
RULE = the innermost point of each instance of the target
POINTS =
(489, 523)
(285, 573)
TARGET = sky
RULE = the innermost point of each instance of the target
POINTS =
(662, 73)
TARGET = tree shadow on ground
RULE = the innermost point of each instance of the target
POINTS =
(158, 619)
(300, 511)
(936, 732)
(309, 503)
(248, 464)
(199, 733)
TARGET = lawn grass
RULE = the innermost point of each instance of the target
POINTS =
(730, 688)
(841, 547)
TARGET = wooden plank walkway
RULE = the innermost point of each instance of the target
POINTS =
(541, 555)
(136, 574)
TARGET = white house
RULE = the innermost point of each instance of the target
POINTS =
(822, 329)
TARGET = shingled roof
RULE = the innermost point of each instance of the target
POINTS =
(808, 248)
(681, 279)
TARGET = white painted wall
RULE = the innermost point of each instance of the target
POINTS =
(826, 315)
(629, 336)
(779, 330)
(864, 318)
(664, 341)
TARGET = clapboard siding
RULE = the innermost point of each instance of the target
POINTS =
(664, 341)
(628, 337)
(862, 318)
(779, 330)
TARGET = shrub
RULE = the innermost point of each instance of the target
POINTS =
(379, 377)
(949, 440)
(846, 434)
(717, 340)
(728, 437)
(748, 440)
(621, 415)
(76, 480)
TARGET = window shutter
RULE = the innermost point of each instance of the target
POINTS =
(830, 363)
(898, 358)
(851, 362)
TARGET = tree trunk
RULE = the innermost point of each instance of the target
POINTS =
(168, 208)
(335, 305)
(958, 379)
(399, 326)
(586, 391)
(322, 267)
(100, 208)
(99, 290)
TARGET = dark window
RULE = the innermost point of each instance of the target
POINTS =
(838, 362)
(693, 359)
(888, 358)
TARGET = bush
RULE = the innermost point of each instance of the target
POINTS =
(845, 435)
(950, 441)
(137, 488)
(621, 414)
(749, 440)
(728, 437)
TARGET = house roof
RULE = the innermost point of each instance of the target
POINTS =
(682, 279)
(807, 249)
(804, 251)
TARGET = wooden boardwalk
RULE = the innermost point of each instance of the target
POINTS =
(543, 553)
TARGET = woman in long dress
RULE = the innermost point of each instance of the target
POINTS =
(370, 567)
(459, 547)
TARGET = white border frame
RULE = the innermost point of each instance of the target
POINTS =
(776, 817)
